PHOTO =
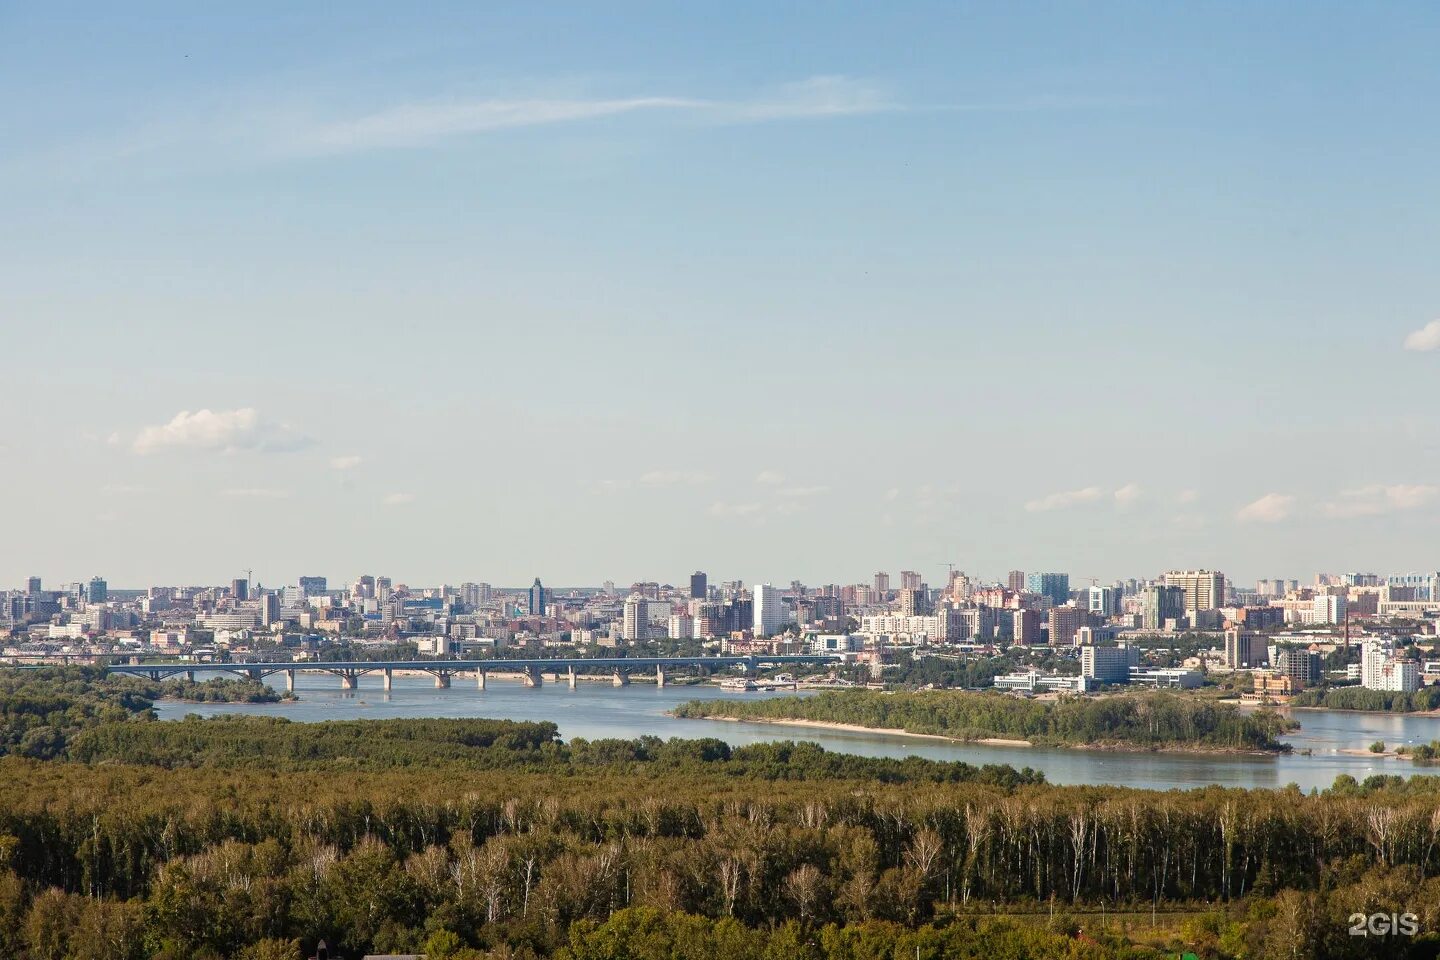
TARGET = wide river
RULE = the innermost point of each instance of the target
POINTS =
(596, 710)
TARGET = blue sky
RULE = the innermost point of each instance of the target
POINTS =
(489, 291)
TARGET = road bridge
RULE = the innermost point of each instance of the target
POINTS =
(533, 669)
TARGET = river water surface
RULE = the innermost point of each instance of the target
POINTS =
(596, 710)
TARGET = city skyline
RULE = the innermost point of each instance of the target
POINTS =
(1117, 289)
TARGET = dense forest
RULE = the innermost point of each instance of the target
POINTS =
(1145, 721)
(252, 838)
(1362, 698)
(40, 710)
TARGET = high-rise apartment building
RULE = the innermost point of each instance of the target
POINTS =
(313, 586)
(882, 586)
(1104, 601)
(1025, 627)
(1300, 665)
(536, 599)
(1160, 603)
(1245, 649)
(269, 608)
(1056, 586)
(32, 585)
(1109, 664)
(769, 610)
(910, 602)
(1016, 581)
(635, 618)
(1204, 589)
(910, 580)
(99, 590)
(1065, 622)
(698, 585)
(240, 589)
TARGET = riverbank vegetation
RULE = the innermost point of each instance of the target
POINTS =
(1144, 721)
(1362, 698)
(41, 710)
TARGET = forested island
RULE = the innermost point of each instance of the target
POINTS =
(252, 838)
(1363, 698)
(1146, 721)
(41, 709)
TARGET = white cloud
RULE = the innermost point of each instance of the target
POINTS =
(1377, 499)
(892, 494)
(1425, 339)
(396, 499)
(672, 478)
(1271, 508)
(1188, 496)
(1127, 494)
(348, 462)
(227, 431)
(770, 477)
(1059, 501)
(255, 493)
(722, 509)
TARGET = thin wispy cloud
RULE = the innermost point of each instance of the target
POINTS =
(770, 477)
(398, 499)
(724, 509)
(1271, 508)
(1426, 339)
(348, 462)
(672, 478)
(424, 123)
(803, 492)
(1377, 499)
(1063, 499)
(1128, 494)
(255, 493)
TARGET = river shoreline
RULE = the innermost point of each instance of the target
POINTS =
(994, 741)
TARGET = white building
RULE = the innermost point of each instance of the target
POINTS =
(681, 627)
(769, 610)
(635, 620)
(1108, 664)
(1380, 670)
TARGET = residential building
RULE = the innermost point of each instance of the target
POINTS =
(1159, 604)
(769, 610)
(1300, 665)
(1056, 586)
(1204, 589)
(1065, 622)
(699, 588)
(1109, 664)
(1244, 649)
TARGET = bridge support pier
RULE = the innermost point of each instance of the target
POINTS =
(659, 676)
(572, 678)
(480, 679)
(289, 681)
(442, 681)
(620, 678)
(533, 678)
(190, 675)
(389, 678)
(349, 680)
